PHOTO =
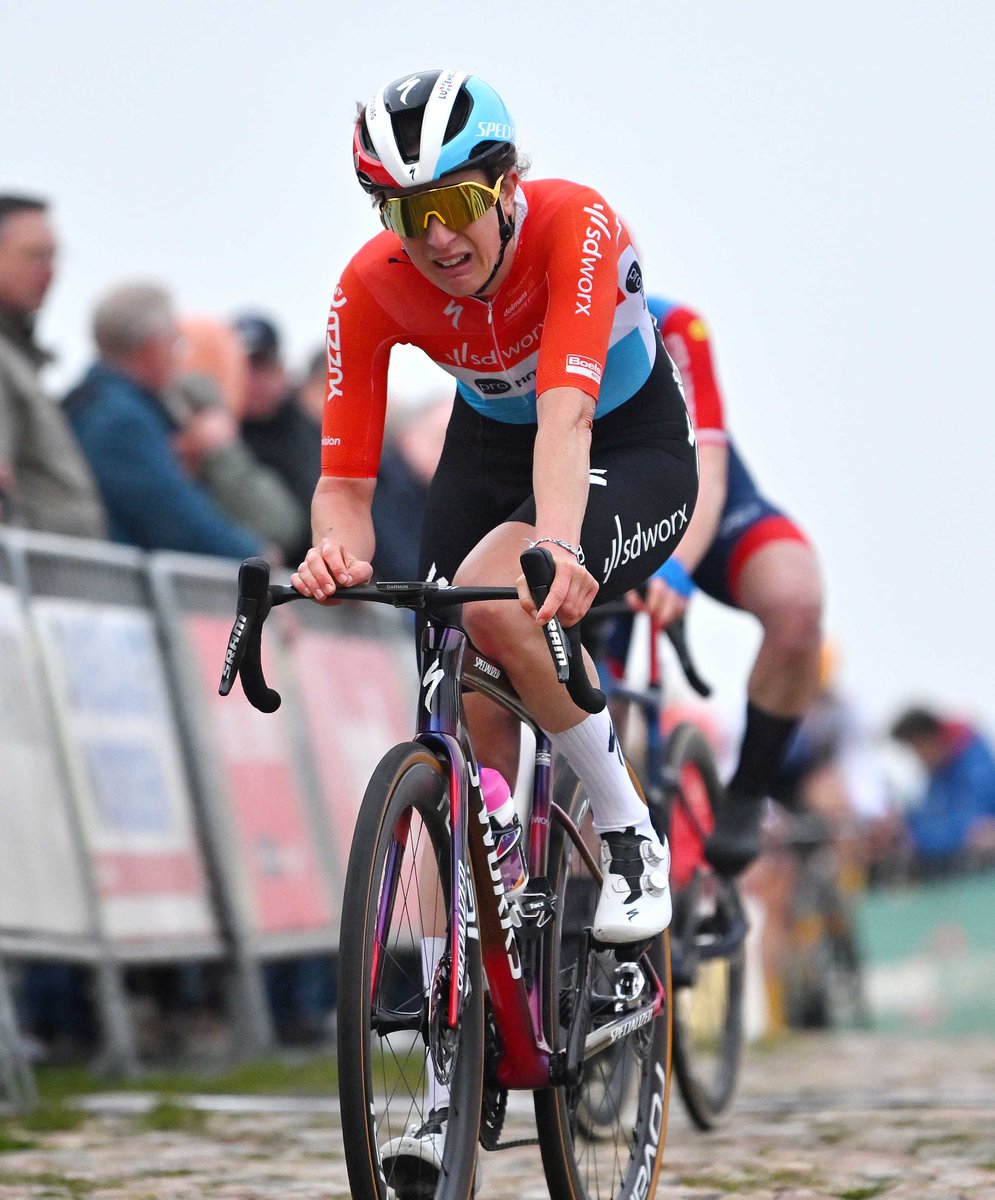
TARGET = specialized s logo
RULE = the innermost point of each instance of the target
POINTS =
(404, 88)
(455, 311)
(433, 677)
(333, 347)
(625, 549)
(590, 256)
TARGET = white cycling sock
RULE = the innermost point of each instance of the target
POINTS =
(592, 750)
(432, 949)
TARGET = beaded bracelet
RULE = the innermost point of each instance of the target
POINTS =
(576, 551)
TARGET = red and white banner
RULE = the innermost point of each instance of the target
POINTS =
(278, 863)
(42, 887)
(357, 706)
(121, 747)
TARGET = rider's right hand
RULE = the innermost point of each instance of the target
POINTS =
(328, 566)
(661, 601)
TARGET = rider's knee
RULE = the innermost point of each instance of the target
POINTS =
(793, 621)
(491, 626)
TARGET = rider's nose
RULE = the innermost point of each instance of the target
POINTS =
(438, 236)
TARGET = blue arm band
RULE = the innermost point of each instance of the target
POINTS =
(675, 576)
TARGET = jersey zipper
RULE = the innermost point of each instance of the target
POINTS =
(494, 341)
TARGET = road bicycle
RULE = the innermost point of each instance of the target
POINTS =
(822, 978)
(521, 996)
(680, 778)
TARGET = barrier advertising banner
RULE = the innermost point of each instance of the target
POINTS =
(278, 865)
(37, 847)
(358, 708)
(111, 701)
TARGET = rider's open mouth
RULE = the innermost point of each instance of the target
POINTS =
(447, 264)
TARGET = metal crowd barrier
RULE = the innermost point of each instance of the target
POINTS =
(143, 819)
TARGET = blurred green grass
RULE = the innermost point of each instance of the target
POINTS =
(60, 1086)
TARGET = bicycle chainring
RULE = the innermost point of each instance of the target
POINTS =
(442, 1040)
(495, 1101)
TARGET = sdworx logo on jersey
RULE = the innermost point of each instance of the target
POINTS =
(625, 549)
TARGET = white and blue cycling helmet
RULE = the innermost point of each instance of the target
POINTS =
(429, 124)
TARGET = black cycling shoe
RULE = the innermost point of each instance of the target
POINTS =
(737, 839)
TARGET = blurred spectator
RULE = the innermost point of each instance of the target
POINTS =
(204, 400)
(121, 417)
(274, 424)
(313, 385)
(412, 448)
(953, 826)
(45, 482)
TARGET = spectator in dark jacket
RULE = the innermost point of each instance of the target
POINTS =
(125, 429)
(412, 449)
(275, 426)
(204, 400)
(45, 482)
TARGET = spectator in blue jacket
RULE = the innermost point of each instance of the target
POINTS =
(953, 826)
(121, 417)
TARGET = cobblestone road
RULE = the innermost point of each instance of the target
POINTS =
(853, 1117)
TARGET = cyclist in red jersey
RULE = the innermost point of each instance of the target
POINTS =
(569, 430)
(745, 552)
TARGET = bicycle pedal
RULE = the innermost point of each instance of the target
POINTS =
(623, 952)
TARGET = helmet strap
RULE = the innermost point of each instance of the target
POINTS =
(506, 226)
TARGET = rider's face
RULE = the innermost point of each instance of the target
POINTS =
(459, 261)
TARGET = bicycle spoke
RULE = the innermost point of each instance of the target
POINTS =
(396, 895)
(602, 1138)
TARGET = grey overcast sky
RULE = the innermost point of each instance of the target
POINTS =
(817, 179)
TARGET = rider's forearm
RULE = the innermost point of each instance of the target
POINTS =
(341, 513)
(713, 462)
(561, 463)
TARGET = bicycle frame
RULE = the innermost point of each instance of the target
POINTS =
(510, 962)
(479, 907)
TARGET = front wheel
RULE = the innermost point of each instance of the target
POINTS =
(392, 1027)
(708, 937)
(601, 1139)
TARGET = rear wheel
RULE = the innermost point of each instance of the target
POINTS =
(708, 937)
(397, 891)
(601, 1139)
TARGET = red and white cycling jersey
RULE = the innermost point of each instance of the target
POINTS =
(570, 313)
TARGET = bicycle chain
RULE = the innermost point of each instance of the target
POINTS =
(494, 1106)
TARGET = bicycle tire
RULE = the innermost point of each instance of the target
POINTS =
(603, 1139)
(383, 1078)
(823, 975)
(708, 1014)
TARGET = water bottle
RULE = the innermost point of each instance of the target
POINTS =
(507, 830)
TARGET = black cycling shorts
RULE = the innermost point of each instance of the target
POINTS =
(644, 483)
